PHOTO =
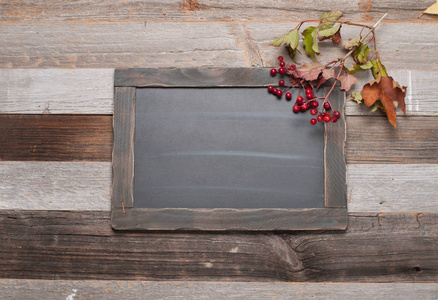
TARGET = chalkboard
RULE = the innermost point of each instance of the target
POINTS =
(204, 149)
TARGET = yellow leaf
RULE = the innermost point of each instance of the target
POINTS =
(431, 10)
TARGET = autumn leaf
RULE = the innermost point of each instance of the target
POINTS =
(387, 90)
(328, 73)
(347, 81)
(328, 19)
(310, 41)
(356, 67)
(431, 10)
(360, 54)
(310, 71)
(356, 97)
(352, 43)
(289, 39)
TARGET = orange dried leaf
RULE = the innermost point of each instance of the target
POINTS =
(387, 91)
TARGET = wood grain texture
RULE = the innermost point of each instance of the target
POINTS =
(394, 42)
(38, 91)
(123, 150)
(206, 10)
(81, 245)
(382, 188)
(373, 140)
(89, 138)
(87, 186)
(189, 44)
(335, 166)
(56, 137)
(55, 185)
(107, 45)
(220, 219)
(193, 77)
(90, 91)
(115, 290)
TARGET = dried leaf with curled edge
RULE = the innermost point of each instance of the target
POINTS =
(431, 10)
(310, 71)
(387, 90)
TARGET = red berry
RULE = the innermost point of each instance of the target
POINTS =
(282, 63)
(274, 91)
(334, 119)
(304, 107)
(280, 58)
(281, 82)
(327, 105)
(292, 67)
(300, 100)
(315, 104)
(313, 111)
(273, 72)
(320, 118)
(281, 70)
(279, 93)
(313, 121)
(337, 114)
(270, 88)
(327, 113)
(309, 96)
(309, 91)
(327, 119)
(288, 96)
(296, 108)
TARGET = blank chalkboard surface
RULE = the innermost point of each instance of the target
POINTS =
(224, 148)
(210, 149)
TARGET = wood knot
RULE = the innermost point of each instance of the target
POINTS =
(190, 5)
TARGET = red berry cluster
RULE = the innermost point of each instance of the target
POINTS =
(301, 104)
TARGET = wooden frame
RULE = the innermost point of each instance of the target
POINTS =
(125, 217)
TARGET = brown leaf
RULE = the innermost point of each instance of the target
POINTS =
(310, 71)
(347, 81)
(387, 90)
(328, 73)
(432, 10)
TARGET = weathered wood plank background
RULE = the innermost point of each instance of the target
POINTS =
(56, 76)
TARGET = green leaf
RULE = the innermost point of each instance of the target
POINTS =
(310, 41)
(352, 43)
(293, 53)
(289, 39)
(357, 97)
(360, 54)
(328, 19)
(378, 105)
(327, 33)
(378, 69)
(356, 67)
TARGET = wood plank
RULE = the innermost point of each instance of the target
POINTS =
(202, 10)
(115, 290)
(391, 44)
(373, 140)
(55, 185)
(90, 91)
(123, 150)
(190, 44)
(108, 45)
(40, 91)
(335, 165)
(229, 219)
(87, 186)
(56, 137)
(389, 188)
(81, 245)
(89, 138)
